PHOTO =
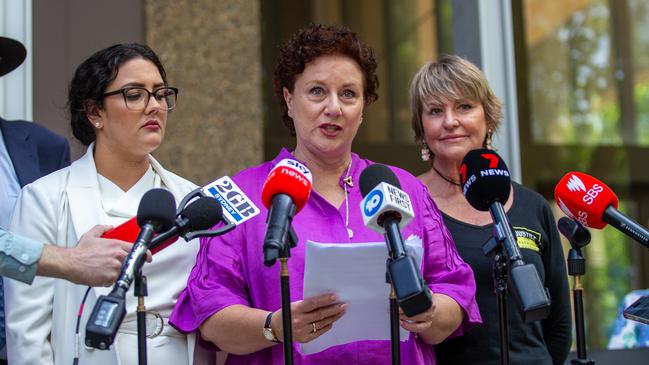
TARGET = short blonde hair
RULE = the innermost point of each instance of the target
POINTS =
(451, 78)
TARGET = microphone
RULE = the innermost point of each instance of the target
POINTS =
(385, 209)
(594, 204)
(236, 208)
(155, 213)
(579, 237)
(201, 214)
(486, 185)
(285, 191)
(575, 232)
(129, 230)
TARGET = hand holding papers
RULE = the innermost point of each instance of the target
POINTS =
(356, 274)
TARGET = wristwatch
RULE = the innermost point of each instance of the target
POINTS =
(269, 334)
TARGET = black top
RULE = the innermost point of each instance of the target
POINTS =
(540, 342)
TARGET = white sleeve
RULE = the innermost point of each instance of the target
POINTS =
(28, 308)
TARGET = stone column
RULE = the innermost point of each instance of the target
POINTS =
(211, 50)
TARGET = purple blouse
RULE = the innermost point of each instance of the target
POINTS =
(230, 269)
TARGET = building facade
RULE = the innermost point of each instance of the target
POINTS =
(571, 74)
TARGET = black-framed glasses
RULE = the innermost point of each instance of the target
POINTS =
(137, 98)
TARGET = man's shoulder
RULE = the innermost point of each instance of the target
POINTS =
(37, 131)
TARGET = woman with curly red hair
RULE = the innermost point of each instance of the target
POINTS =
(324, 79)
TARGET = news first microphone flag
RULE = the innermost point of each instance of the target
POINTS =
(230, 269)
(385, 198)
(356, 273)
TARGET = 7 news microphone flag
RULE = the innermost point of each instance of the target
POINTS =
(486, 184)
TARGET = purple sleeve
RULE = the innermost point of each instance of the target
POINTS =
(444, 270)
(216, 281)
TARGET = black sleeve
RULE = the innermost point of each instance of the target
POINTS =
(557, 328)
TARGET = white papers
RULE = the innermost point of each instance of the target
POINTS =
(356, 274)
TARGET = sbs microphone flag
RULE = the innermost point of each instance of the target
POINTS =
(584, 198)
(594, 205)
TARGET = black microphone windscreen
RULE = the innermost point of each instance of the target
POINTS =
(485, 178)
(203, 213)
(157, 206)
(577, 234)
(374, 175)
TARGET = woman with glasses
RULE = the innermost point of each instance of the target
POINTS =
(119, 102)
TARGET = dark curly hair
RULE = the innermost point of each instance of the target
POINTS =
(92, 78)
(318, 40)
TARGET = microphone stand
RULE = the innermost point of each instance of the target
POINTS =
(394, 304)
(500, 285)
(394, 320)
(579, 237)
(284, 254)
(577, 268)
(530, 295)
(141, 291)
(500, 277)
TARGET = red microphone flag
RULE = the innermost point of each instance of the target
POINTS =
(584, 198)
(291, 178)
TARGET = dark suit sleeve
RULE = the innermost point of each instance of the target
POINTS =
(557, 328)
(53, 150)
(65, 155)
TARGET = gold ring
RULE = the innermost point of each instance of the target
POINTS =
(314, 328)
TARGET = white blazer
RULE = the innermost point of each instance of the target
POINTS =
(41, 318)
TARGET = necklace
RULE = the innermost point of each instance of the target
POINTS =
(347, 181)
(446, 178)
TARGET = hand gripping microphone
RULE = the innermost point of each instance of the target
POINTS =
(594, 204)
(285, 191)
(386, 208)
(155, 213)
(486, 185)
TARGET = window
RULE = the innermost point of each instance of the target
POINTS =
(583, 80)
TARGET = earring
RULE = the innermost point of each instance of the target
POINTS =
(425, 152)
(97, 124)
(361, 121)
(488, 139)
